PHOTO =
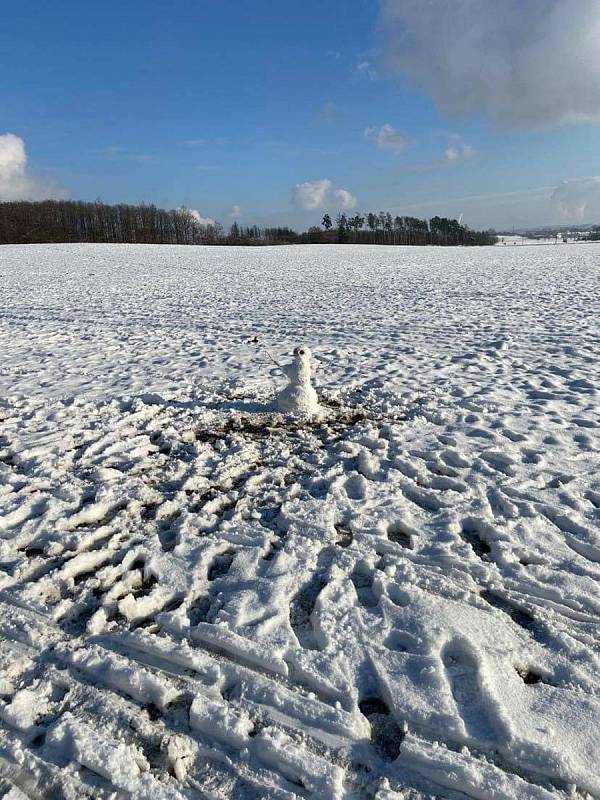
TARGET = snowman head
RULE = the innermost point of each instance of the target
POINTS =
(302, 352)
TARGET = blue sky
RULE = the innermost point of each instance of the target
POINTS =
(226, 107)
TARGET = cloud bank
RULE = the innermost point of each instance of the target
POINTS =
(578, 199)
(524, 63)
(313, 195)
(15, 181)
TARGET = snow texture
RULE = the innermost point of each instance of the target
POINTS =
(205, 596)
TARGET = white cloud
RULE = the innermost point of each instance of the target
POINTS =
(345, 199)
(387, 138)
(206, 222)
(525, 63)
(119, 153)
(313, 195)
(457, 150)
(578, 199)
(235, 212)
(364, 69)
(15, 182)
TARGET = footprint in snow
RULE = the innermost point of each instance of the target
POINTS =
(462, 673)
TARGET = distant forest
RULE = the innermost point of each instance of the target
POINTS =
(593, 235)
(58, 221)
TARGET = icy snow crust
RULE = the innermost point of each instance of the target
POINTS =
(200, 598)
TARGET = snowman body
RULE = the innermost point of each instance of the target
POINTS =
(299, 396)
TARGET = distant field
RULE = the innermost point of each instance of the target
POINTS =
(201, 598)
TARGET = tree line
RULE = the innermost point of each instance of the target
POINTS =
(56, 221)
(383, 228)
(76, 221)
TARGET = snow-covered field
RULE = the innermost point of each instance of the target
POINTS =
(202, 599)
(524, 240)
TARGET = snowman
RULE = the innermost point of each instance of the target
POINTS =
(299, 396)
